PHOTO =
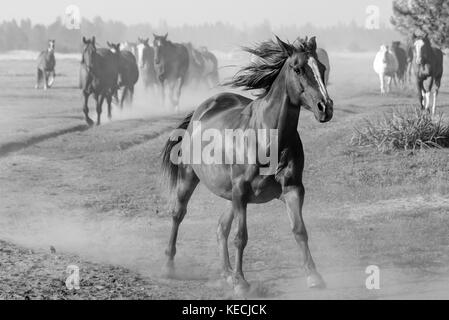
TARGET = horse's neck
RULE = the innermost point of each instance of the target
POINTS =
(274, 110)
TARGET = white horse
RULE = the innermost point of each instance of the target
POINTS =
(385, 65)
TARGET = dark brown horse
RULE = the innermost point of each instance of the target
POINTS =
(145, 60)
(171, 62)
(203, 67)
(99, 76)
(46, 63)
(127, 70)
(290, 77)
(428, 67)
(401, 56)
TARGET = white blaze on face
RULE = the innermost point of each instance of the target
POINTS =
(418, 46)
(313, 64)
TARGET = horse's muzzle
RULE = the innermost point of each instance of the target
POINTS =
(325, 111)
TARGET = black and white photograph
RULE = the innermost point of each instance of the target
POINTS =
(224, 150)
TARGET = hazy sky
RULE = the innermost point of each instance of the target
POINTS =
(178, 12)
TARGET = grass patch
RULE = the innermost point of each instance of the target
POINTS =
(402, 129)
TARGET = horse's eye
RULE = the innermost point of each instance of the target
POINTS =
(297, 70)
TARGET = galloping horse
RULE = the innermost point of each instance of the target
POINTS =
(99, 76)
(203, 67)
(211, 76)
(401, 57)
(171, 62)
(145, 60)
(291, 77)
(385, 65)
(127, 70)
(46, 66)
(428, 67)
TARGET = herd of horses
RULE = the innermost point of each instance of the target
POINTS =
(164, 67)
(419, 60)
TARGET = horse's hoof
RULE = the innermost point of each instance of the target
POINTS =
(227, 277)
(90, 123)
(169, 270)
(241, 288)
(315, 281)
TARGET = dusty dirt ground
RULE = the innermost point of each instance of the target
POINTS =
(96, 195)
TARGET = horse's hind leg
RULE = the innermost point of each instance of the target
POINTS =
(224, 227)
(187, 183)
(239, 204)
(294, 199)
(124, 93)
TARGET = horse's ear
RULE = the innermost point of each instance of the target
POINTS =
(93, 40)
(109, 44)
(166, 35)
(311, 44)
(84, 40)
(288, 49)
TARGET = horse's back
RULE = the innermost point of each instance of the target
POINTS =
(223, 103)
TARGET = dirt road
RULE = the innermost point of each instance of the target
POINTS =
(97, 197)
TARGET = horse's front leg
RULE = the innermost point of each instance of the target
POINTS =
(100, 99)
(419, 85)
(109, 102)
(381, 79)
(239, 204)
(45, 80)
(294, 199)
(224, 227)
(86, 109)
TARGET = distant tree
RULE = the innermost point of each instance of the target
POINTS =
(429, 17)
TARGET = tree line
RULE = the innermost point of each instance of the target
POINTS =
(24, 35)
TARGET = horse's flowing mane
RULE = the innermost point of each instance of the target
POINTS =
(261, 72)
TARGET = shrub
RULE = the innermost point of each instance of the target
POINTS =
(403, 128)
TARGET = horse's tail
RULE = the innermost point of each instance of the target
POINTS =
(170, 169)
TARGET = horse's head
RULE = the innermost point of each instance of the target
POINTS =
(422, 48)
(159, 44)
(305, 78)
(142, 46)
(51, 45)
(384, 53)
(114, 47)
(89, 50)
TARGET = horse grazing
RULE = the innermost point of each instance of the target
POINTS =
(46, 63)
(145, 60)
(385, 65)
(428, 67)
(290, 77)
(99, 76)
(171, 62)
(128, 71)
(401, 57)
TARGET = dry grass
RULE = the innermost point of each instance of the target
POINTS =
(403, 129)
